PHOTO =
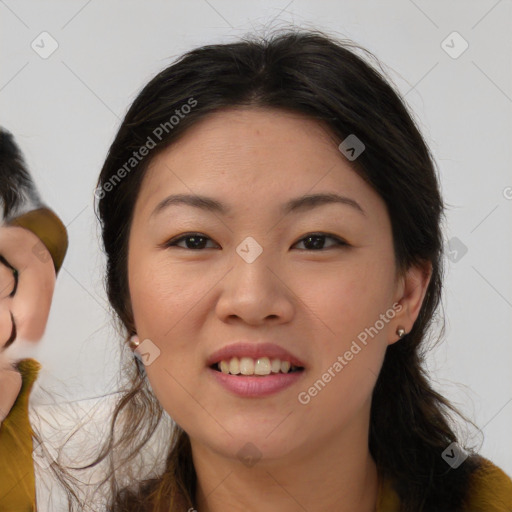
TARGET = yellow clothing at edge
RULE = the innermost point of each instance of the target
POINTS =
(17, 486)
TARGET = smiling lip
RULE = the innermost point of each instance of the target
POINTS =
(255, 386)
(254, 351)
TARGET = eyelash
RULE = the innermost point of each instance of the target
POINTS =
(13, 335)
(174, 241)
(15, 287)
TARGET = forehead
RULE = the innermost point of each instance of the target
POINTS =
(243, 137)
(253, 157)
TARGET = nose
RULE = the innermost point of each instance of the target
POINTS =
(255, 293)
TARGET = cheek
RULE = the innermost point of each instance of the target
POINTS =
(352, 314)
(160, 296)
(163, 302)
(349, 349)
(173, 388)
(345, 300)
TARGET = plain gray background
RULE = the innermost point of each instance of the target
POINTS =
(65, 109)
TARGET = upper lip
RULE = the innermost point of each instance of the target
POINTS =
(255, 351)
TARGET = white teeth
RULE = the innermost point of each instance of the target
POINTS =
(262, 366)
(249, 366)
(224, 367)
(246, 366)
(234, 366)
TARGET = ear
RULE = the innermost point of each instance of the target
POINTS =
(410, 292)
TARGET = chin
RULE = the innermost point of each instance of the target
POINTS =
(250, 445)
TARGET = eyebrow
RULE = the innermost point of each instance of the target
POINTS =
(303, 203)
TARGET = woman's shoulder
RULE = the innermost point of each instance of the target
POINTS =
(490, 489)
(487, 489)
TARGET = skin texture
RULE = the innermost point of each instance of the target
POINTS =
(190, 302)
(30, 305)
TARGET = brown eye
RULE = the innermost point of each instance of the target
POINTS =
(193, 241)
(316, 241)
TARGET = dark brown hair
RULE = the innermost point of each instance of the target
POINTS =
(17, 190)
(311, 73)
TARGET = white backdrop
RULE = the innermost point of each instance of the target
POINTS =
(64, 109)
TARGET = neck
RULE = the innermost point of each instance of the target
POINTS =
(339, 475)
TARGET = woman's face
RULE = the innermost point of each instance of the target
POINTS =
(249, 273)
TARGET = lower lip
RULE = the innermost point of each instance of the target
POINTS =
(249, 386)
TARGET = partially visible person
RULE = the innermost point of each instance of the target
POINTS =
(33, 243)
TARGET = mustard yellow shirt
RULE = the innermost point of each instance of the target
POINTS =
(17, 483)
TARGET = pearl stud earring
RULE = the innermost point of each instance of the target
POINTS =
(134, 342)
(400, 332)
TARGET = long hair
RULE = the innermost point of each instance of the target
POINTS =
(311, 73)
